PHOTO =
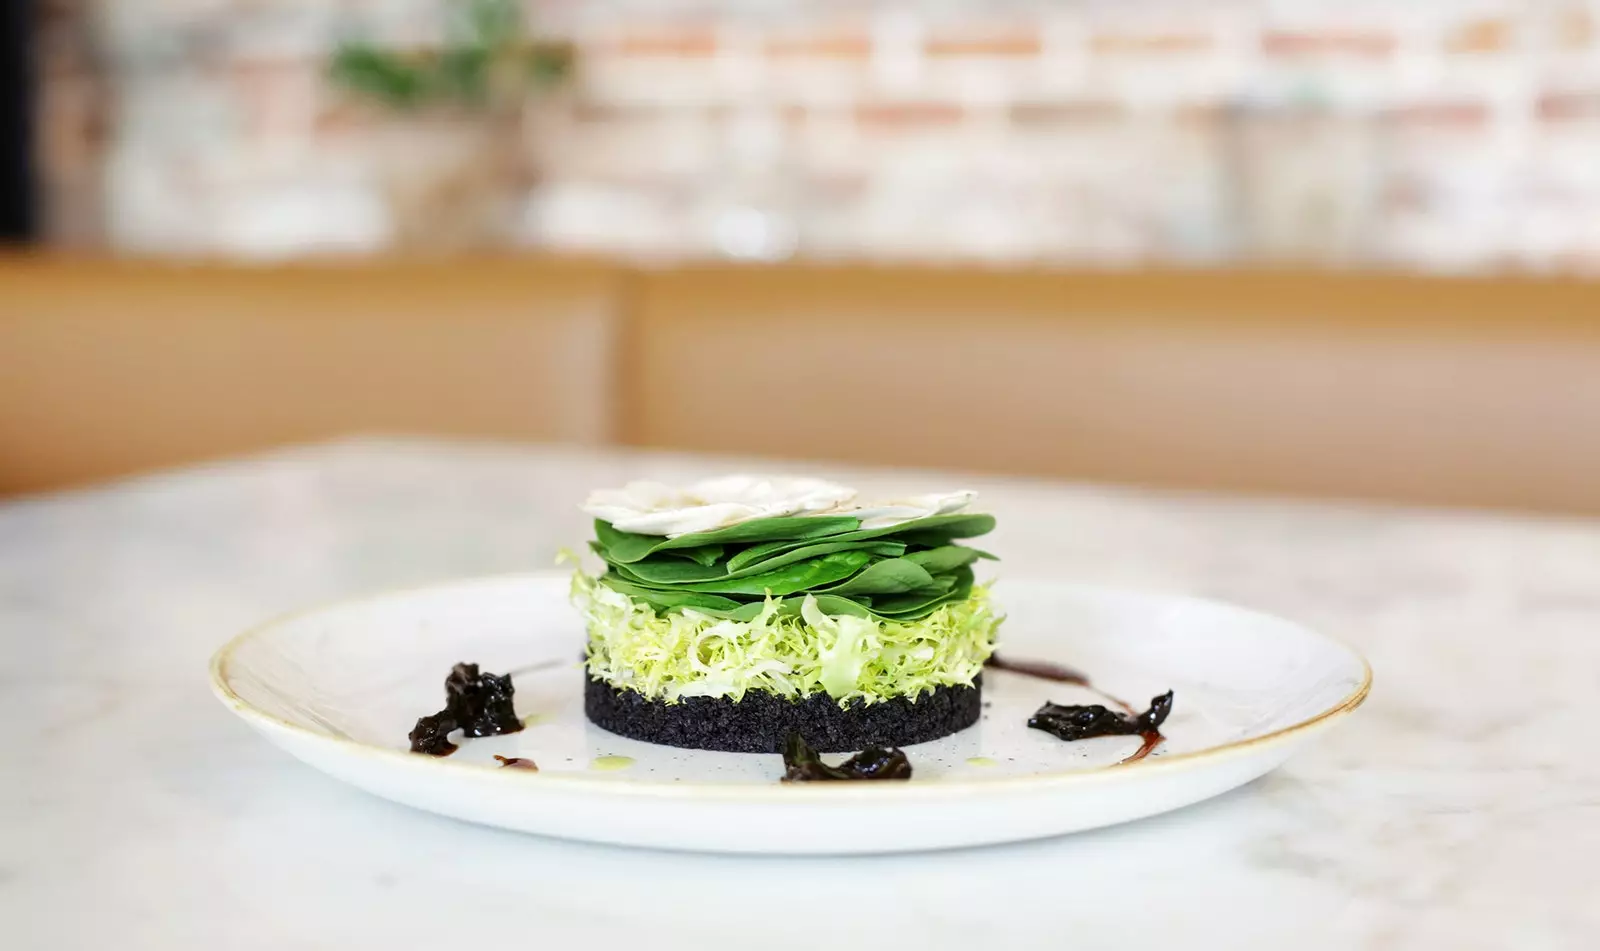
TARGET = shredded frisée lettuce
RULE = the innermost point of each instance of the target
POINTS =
(682, 653)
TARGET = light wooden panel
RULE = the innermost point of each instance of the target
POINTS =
(110, 368)
(1434, 391)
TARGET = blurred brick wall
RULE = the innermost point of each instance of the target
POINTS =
(1434, 135)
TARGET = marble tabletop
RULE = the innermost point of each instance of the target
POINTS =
(1460, 808)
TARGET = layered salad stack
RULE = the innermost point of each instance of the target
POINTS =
(736, 612)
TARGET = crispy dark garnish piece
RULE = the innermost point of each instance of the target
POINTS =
(431, 735)
(480, 702)
(802, 764)
(1085, 721)
(517, 762)
(477, 704)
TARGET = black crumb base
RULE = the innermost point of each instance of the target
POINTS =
(762, 722)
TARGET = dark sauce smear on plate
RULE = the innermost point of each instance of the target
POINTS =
(480, 702)
(517, 762)
(431, 735)
(1042, 669)
(801, 764)
(477, 704)
(1082, 722)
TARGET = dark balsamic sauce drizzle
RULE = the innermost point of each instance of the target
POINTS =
(1082, 722)
(517, 762)
(1042, 669)
(476, 703)
(802, 764)
(431, 735)
(1147, 725)
(1151, 739)
(481, 702)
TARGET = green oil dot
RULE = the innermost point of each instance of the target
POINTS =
(609, 763)
(979, 761)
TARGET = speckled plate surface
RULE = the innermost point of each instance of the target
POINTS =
(340, 687)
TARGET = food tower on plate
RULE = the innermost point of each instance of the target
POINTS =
(735, 612)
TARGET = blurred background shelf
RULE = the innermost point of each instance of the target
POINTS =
(111, 367)
(1433, 390)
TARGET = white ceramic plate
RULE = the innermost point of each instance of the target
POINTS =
(340, 688)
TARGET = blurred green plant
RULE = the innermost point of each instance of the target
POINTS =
(486, 61)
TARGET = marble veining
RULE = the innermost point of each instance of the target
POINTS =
(1459, 809)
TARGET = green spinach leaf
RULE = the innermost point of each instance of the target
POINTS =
(628, 547)
(659, 570)
(660, 599)
(705, 555)
(909, 607)
(789, 579)
(933, 531)
(889, 576)
(947, 558)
